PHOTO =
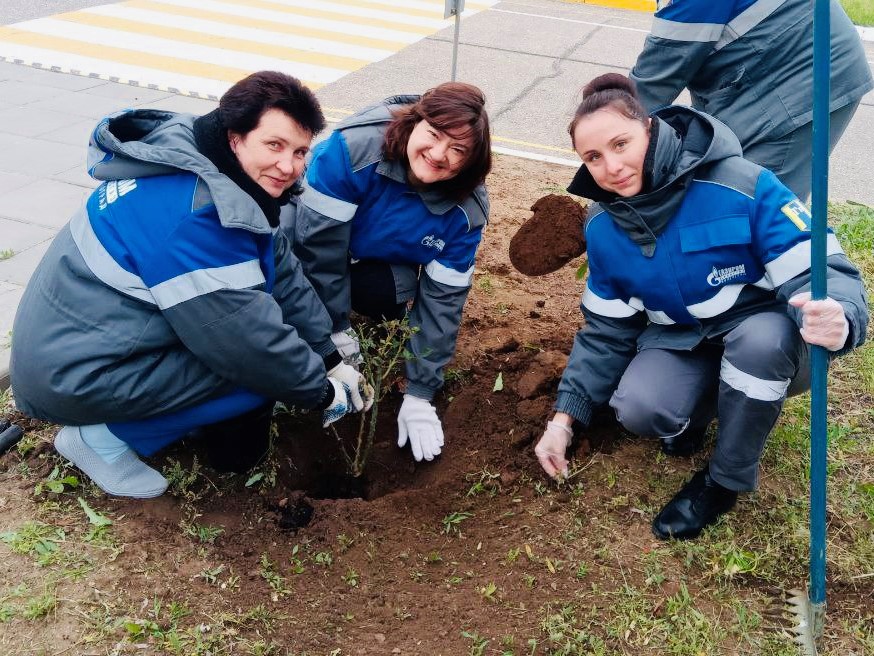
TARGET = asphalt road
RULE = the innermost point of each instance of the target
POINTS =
(13, 11)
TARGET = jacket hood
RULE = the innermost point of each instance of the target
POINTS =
(378, 113)
(682, 141)
(145, 142)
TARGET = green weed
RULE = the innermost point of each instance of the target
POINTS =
(452, 522)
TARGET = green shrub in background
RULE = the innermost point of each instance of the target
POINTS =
(861, 12)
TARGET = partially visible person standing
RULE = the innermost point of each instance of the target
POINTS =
(171, 303)
(749, 63)
(391, 218)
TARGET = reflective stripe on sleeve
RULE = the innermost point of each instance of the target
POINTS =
(203, 281)
(448, 276)
(676, 31)
(797, 260)
(659, 317)
(607, 307)
(747, 20)
(102, 264)
(334, 208)
(720, 302)
(752, 387)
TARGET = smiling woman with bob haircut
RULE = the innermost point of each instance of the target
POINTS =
(697, 303)
(389, 224)
(170, 304)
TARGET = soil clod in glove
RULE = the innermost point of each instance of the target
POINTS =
(551, 238)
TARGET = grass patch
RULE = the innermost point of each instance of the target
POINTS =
(861, 12)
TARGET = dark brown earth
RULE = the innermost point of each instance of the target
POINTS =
(551, 238)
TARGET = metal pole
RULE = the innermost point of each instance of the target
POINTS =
(819, 358)
(457, 10)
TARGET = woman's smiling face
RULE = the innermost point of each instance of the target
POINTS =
(613, 147)
(273, 153)
(434, 155)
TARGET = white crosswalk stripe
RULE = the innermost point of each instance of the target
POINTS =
(201, 47)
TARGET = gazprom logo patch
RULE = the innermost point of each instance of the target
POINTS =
(113, 190)
(432, 242)
(797, 212)
(720, 276)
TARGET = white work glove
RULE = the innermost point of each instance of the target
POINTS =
(360, 391)
(418, 421)
(348, 346)
(822, 322)
(340, 406)
(551, 448)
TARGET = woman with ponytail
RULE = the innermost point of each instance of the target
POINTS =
(697, 304)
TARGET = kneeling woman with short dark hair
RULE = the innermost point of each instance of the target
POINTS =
(169, 303)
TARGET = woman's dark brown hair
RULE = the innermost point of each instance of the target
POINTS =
(241, 106)
(613, 90)
(453, 107)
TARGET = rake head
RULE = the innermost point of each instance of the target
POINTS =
(808, 621)
(792, 615)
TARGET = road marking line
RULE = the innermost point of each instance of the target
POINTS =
(177, 35)
(534, 145)
(141, 60)
(539, 158)
(429, 7)
(571, 20)
(116, 71)
(243, 34)
(343, 26)
(634, 5)
(302, 8)
(95, 38)
(267, 25)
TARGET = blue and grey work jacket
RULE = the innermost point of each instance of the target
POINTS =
(713, 240)
(749, 63)
(166, 289)
(358, 205)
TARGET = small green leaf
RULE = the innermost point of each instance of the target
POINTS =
(55, 486)
(254, 478)
(93, 516)
(499, 382)
(133, 628)
(581, 271)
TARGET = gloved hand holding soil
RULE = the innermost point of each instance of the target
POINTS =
(551, 238)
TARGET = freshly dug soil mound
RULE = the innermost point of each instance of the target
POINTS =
(551, 238)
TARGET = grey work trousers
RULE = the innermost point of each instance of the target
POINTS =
(790, 156)
(741, 378)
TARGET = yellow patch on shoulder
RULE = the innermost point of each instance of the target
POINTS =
(797, 212)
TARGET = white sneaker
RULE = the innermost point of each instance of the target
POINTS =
(128, 476)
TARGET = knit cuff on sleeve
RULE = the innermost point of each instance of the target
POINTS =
(577, 406)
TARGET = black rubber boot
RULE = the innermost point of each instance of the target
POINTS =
(688, 442)
(238, 444)
(697, 505)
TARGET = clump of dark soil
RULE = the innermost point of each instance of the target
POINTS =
(551, 238)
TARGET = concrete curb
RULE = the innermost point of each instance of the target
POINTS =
(647, 6)
(865, 33)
